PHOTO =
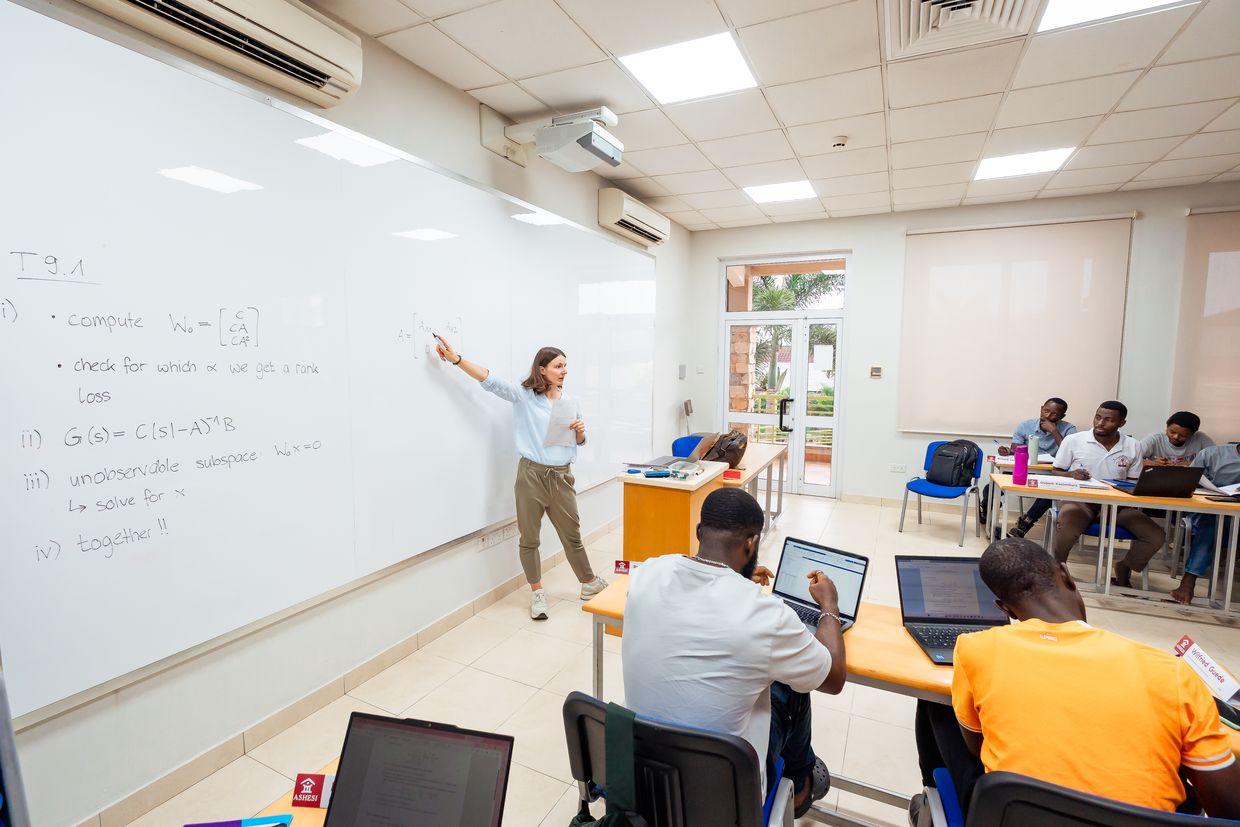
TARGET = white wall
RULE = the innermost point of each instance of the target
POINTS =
(86, 759)
(869, 442)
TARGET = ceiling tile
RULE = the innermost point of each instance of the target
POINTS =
(439, 8)
(748, 12)
(1098, 175)
(866, 201)
(721, 214)
(585, 87)
(442, 56)
(856, 162)
(501, 34)
(933, 176)
(807, 206)
(714, 200)
(1187, 167)
(937, 120)
(686, 182)
(687, 217)
(792, 219)
(638, 25)
(643, 187)
(666, 204)
(1040, 136)
(1027, 195)
(625, 170)
(1009, 186)
(1185, 82)
(748, 149)
(1228, 120)
(1050, 193)
(1213, 32)
(647, 130)
(829, 98)
(937, 151)
(511, 100)
(371, 16)
(1060, 101)
(1102, 49)
(851, 185)
(1156, 123)
(865, 211)
(918, 206)
(669, 159)
(823, 42)
(1131, 152)
(861, 131)
(1160, 183)
(749, 222)
(963, 74)
(1208, 143)
(922, 195)
(772, 172)
(736, 114)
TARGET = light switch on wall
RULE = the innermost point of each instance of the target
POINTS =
(876, 371)
(684, 371)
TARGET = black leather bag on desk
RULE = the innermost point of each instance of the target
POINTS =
(728, 448)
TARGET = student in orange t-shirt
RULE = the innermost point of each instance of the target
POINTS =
(1056, 699)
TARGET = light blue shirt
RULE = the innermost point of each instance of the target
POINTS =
(1046, 442)
(531, 417)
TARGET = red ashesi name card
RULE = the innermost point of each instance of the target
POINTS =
(313, 790)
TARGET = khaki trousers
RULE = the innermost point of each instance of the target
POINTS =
(1076, 517)
(548, 489)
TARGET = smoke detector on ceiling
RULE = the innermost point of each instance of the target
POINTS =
(918, 27)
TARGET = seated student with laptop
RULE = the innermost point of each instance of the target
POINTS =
(1051, 428)
(705, 646)
(1056, 699)
(1178, 443)
(1222, 467)
(1104, 453)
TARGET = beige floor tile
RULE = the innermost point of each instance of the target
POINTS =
(528, 657)
(538, 727)
(841, 702)
(561, 584)
(578, 676)
(469, 641)
(406, 682)
(237, 790)
(531, 796)
(829, 735)
(565, 810)
(472, 699)
(566, 621)
(312, 742)
(882, 754)
(880, 705)
(872, 811)
(513, 610)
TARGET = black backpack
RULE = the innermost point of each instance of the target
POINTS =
(728, 448)
(953, 463)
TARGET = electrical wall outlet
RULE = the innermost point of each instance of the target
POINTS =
(899, 469)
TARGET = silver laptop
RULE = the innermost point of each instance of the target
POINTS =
(704, 444)
(846, 570)
(942, 598)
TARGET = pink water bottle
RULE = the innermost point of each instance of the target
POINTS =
(1020, 470)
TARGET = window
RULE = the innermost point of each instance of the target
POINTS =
(786, 286)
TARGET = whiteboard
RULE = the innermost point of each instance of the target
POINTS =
(220, 404)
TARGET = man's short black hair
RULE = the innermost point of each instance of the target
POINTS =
(1185, 419)
(1015, 569)
(732, 511)
(1058, 402)
(1112, 405)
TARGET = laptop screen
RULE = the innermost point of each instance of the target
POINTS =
(942, 588)
(847, 572)
(398, 773)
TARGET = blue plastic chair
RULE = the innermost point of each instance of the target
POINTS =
(923, 487)
(683, 446)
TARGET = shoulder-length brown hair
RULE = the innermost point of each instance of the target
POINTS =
(536, 381)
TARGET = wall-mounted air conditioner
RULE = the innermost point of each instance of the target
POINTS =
(622, 213)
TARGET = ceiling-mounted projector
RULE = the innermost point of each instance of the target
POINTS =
(575, 142)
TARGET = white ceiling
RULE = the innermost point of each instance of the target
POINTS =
(1151, 101)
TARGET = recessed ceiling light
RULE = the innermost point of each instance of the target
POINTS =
(693, 69)
(426, 234)
(208, 179)
(344, 148)
(1061, 13)
(539, 218)
(790, 191)
(1026, 163)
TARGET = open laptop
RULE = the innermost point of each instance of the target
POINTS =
(704, 444)
(942, 598)
(398, 772)
(846, 570)
(1177, 481)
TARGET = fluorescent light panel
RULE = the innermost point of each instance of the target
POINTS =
(539, 218)
(789, 191)
(1061, 13)
(426, 234)
(1026, 163)
(208, 179)
(343, 148)
(693, 69)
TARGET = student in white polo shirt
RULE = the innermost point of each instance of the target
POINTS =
(1106, 454)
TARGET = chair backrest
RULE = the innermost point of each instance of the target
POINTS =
(684, 776)
(1005, 799)
(683, 446)
(934, 446)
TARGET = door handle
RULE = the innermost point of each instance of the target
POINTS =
(783, 411)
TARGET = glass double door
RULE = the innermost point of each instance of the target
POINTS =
(782, 388)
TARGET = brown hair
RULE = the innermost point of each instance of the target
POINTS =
(536, 381)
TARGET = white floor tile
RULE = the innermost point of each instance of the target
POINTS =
(473, 638)
(406, 682)
(531, 797)
(235, 791)
(312, 742)
(530, 658)
(538, 730)
(472, 699)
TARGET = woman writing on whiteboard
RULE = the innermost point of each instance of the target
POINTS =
(544, 474)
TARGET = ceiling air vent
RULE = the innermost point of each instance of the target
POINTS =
(918, 27)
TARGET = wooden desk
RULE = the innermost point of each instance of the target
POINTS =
(759, 457)
(661, 514)
(302, 816)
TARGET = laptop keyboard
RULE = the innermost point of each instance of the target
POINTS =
(941, 636)
(807, 615)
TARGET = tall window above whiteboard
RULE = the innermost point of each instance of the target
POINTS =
(997, 320)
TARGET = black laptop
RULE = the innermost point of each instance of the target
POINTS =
(400, 772)
(846, 570)
(942, 598)
(1178, 481)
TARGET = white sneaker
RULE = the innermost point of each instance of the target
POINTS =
(592, 588)
(538, 605)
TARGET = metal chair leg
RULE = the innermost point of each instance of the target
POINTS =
(903, 506)
(977, 524)
(964, 518)
(919, 509)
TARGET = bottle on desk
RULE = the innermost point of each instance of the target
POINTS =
(1020, 469)
(1035, 447)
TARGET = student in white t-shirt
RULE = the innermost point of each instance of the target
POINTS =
(705, 646)
(1104, 453)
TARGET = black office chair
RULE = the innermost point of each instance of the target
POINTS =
(685, 777)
